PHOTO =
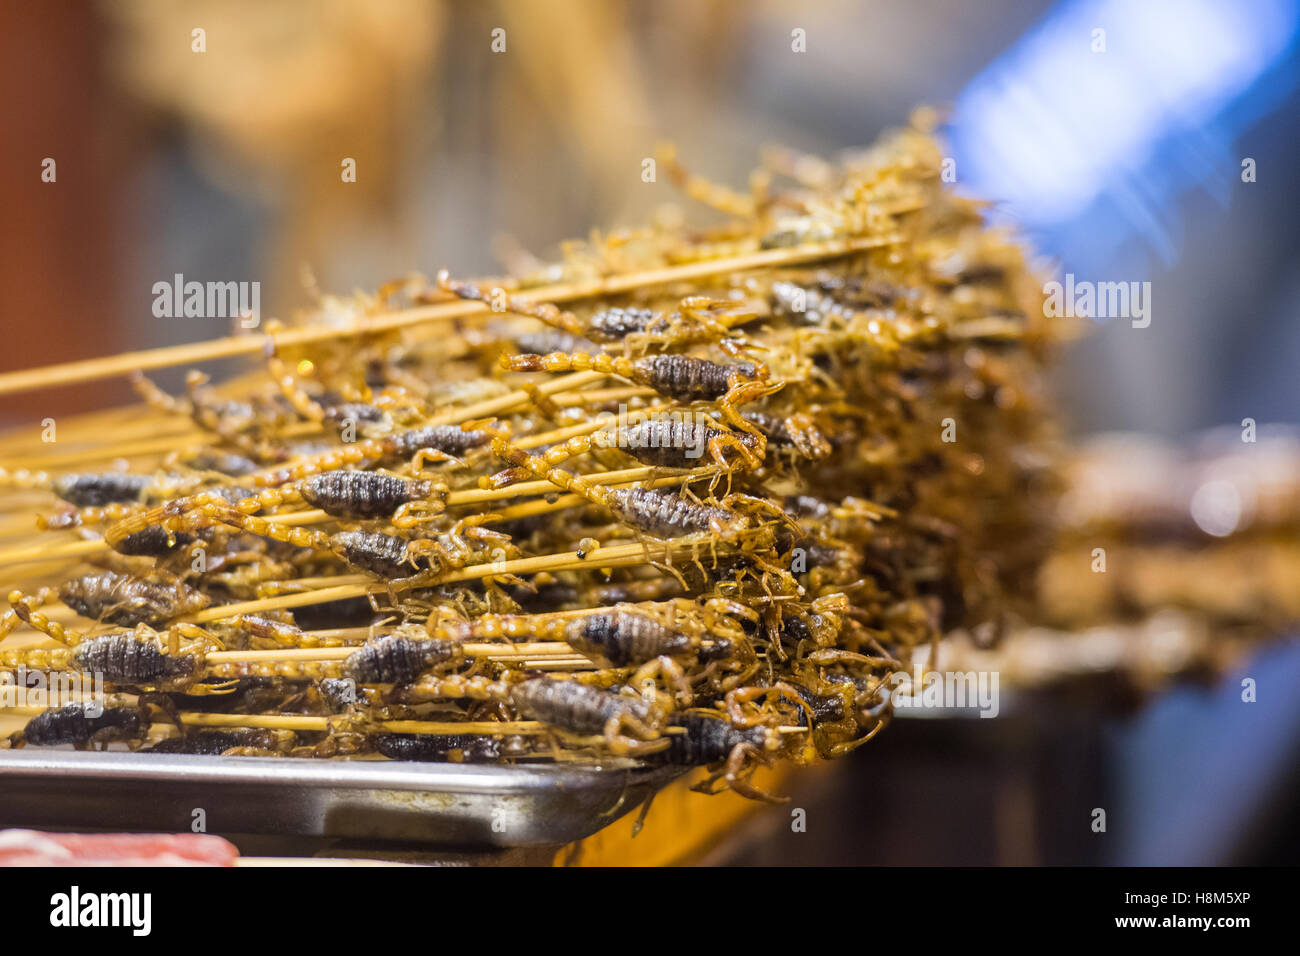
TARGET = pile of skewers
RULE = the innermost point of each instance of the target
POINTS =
(1212, 529)
(688, 496)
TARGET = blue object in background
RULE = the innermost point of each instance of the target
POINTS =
(1086, 146)
(1198, 768)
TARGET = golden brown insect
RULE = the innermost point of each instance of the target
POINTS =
(94, 490)
(806, 305)
(107, 514)
(235, 423)
(797, 432)
(172, 658)
(735, 752)
(681, 377)
(845, 711)
(657, 512)
(697, 319)
(384, 555)
(96, 493)
(264, 630)
(670, 442)
(340, 493)
(226, 464)
(153, 598)
(10, 619)
(620, 637)
(139, 658)
(431, 443)
(660, 642)
(627, 724)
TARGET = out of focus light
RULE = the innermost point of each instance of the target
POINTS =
(1216, 508)
(1051, 126)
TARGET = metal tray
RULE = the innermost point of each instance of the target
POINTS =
(367, 800)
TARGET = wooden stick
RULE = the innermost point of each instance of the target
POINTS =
(304, 722)
(281, 602)
(602, 395)
(573, 431)
(472, 496)
(157, 445)
(310, 654)
(503, 403)
(89, 370)
(542, 486)
(463, 413)
(614, 556)
(455, 415)
(307, 723)
(44, 552)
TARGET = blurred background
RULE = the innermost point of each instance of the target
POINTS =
(1119, 154)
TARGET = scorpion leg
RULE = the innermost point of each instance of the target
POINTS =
(669, 668)
(430, 455)
(643, 739)
(839, 750)
(737, 774)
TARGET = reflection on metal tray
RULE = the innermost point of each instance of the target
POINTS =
(447, 804)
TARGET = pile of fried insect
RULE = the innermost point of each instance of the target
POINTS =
(686, 497)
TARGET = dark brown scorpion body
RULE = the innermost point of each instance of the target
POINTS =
(624, 637)
(152, 599)
(124, 658)
(579, 709)
(83, 725)
(396, 659)
(364, 494)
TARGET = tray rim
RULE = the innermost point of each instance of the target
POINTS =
(334, 773)
(449, 805)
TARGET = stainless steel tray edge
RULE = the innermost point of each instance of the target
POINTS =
(445, 804)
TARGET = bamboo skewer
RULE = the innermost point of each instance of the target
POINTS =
(483, 409)
(309, 724)
(327, 654)
(603, 395)
(89, 370)
(44, 552)
(166, 442)
(574, 431)
(352, 637)
(541, 486)
(614, 556)
(452, 416)
(654, 476)
(504, 403)
(530, 654)
(469, 496)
